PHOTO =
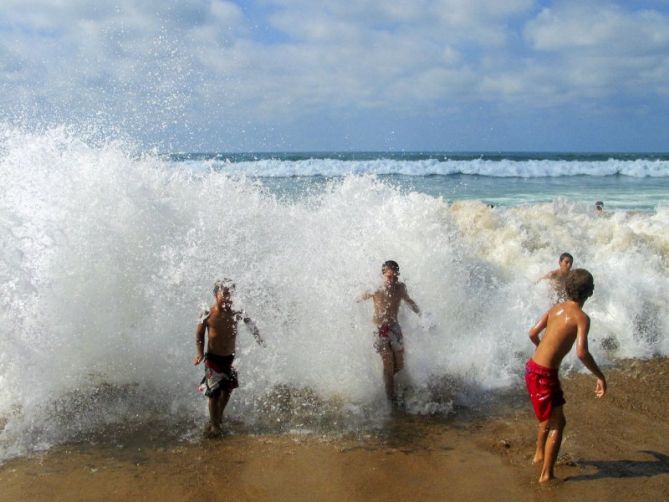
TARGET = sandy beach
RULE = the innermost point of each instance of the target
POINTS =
(614, 449)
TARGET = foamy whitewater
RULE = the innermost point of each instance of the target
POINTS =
(108, 256)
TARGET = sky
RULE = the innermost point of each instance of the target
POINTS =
(329, 75)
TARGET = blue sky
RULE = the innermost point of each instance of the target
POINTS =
(287, 75)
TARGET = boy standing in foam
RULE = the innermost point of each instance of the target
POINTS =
(220, 324)
(565, 323)
(558, 276)
(388, 334)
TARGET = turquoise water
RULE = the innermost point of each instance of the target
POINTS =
(617, 192)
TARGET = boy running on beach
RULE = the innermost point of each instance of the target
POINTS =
(220, 324)
(388, 342)
(559, 275)
(565, 323)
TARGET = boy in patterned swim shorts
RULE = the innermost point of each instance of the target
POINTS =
(388, 334)
(220, 325)
(565, 323)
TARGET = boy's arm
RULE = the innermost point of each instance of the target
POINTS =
(549, 275)
(199, 343)
(583, 327)
(365, 296)
(538, 328)
(254, 331)
(410, 302)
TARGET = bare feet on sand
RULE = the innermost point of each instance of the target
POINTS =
(212, 430)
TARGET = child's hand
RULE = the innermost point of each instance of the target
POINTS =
(198, 359)
(600, 388)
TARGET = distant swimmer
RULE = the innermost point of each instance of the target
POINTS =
(220, 325)
(559, 275)
(565, 323)
(599, 208)
(388, 333)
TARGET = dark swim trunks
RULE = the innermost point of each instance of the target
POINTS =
(388, 337)
(544, 388)
(219, 375)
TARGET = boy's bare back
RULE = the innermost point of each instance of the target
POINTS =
(564, 323)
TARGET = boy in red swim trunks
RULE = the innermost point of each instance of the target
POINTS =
(388, 334)
(565, 323)
(220, 324)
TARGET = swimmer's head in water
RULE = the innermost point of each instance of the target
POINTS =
(579, 284)
(392, 265)
(224, 284)
(567, 256)
(599, 205)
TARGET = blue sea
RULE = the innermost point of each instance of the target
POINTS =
(625, 181)
(109, 253)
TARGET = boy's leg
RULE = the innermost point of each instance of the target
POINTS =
(388, 359)
(556, 425)
(214, 420)
(222, 403)
(398, 360)
(542, 434)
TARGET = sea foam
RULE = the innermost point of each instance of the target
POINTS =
(501, 168)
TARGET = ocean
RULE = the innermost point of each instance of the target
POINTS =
(109, 254)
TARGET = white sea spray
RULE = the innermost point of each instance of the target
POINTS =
(107, 256)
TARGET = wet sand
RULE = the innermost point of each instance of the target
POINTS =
(614, 449)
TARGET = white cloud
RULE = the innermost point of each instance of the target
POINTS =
(597, 49)
(226, 13)
(599, 28)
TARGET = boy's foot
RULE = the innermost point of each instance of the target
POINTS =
(552, 481)
(398, 404)
(211, 431)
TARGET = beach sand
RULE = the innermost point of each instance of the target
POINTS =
(616, 448)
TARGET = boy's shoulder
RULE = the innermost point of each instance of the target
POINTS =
(205, 313)
(568, 307)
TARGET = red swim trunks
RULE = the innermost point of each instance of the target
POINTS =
(543, 385)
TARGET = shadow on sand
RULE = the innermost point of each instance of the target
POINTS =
(625, 468)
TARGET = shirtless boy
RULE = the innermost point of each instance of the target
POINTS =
(565, 323)
(388, 334)
(220, 324)
(558, 276)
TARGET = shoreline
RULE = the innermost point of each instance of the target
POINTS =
(614, 448)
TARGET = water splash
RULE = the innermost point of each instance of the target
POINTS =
(107, 255)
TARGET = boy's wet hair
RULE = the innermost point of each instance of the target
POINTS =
(566, 255)
(224, 283)
(391, 264)
(579, 284)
